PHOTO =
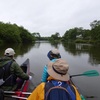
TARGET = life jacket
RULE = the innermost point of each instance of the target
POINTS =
(5, 76)
(58, 90)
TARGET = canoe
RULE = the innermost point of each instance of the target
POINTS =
(22, 84)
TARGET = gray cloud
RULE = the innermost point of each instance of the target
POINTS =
(50, 16)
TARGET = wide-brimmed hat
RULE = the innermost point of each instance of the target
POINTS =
(58, 70)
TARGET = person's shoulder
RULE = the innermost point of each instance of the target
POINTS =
(14, 62)
(41, 86)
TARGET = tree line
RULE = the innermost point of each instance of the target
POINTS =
(12, 33)
(77, 35)
(84, 35)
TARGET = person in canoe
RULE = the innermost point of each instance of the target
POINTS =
(56, 88)
(10, 71)
(52, 55)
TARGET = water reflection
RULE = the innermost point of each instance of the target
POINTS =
(80, 57)
(54, 44)
(71, 48)
(94, 55)
(78, 49)
(20, 49)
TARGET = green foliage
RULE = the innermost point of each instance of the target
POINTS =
(95, 23)
(72, 34)
(81, 35)
(25, 35)
(95, 33)
(86, 34)
(37, 36)
(11, 33)
(55, 37)
(81, 41)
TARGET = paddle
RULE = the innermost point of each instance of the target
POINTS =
(17, 92)
(89, 73)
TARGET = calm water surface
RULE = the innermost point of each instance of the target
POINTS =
(80, 57)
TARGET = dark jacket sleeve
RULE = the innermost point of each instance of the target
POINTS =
(16, 69)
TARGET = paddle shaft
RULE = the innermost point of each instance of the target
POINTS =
(86, 74)
(17, 92)
(76, 75)
(12, 96)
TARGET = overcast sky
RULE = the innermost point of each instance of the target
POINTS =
(50, 16)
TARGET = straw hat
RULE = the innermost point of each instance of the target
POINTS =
(58, 70)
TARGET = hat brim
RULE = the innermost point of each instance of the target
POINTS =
(55, 75)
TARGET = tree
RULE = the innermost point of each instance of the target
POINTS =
(26, 37)
(37, 36)
(11, 33)
(94, 24)
(55, 36)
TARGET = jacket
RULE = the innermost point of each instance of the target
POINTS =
(45, 73)
(38, 93)
(14, 69)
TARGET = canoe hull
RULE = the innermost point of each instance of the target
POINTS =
(23, 84)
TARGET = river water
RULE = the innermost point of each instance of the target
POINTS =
(80, 57)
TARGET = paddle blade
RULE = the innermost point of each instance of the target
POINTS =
(91, 73)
